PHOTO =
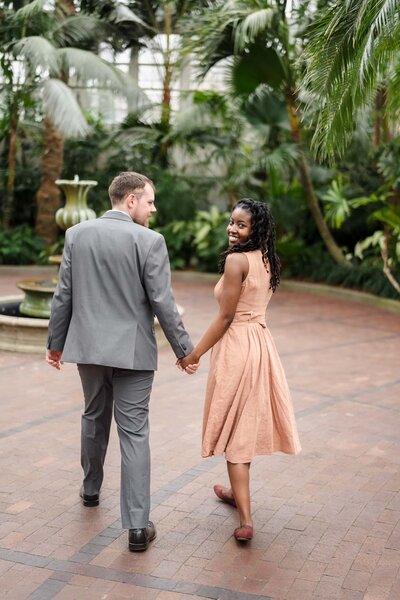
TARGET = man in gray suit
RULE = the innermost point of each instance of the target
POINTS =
(114, 277)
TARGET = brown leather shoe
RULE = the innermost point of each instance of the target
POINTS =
(219, 491)
(89, 500)
(139, 539)
(243, 533)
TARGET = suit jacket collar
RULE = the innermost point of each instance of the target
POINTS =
(117, 214)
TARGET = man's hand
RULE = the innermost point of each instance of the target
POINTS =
(53, 358)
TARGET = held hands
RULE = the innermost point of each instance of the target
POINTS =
(189, 364)
(53, 358)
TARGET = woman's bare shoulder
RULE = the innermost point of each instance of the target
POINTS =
(237, 261)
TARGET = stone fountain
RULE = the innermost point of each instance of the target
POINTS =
(23, 324)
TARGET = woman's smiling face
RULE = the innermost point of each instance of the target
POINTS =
(239, 226)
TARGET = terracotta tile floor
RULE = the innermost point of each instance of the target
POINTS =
(327, 522)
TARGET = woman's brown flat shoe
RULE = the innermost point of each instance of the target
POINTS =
(219, 491)
(243, 533)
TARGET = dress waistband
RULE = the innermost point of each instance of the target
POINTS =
(249, 317)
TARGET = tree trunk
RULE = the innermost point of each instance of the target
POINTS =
(382, 133)
(233, 197)
(305, 177)
(166, 98)
(385, 258)
(9, 199)
(48, 197)
(67, 7)
(134, 73)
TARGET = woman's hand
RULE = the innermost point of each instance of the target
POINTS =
(189, 363)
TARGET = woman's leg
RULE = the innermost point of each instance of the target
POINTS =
(239, 476)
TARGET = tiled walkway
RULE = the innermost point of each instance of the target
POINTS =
(327, 522)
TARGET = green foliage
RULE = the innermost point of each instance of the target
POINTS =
(199, 242)
(179, 239)
(20, 246)
(54, 249)
(178, 196)
(353, 47)
(312, 263)
(337, 208)
(209, 238)
(389, 163)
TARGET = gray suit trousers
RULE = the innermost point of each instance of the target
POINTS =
(129, 392)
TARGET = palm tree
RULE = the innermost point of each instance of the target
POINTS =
(48, 46)
(353, 60)
(155, 25)
(15, 97)
(257, 38)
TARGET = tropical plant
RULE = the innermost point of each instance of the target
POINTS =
(353, 59)
(209, 237)
(337, 208)
(20, 246)
(179, 239)
(48, 40)
(155, 25)
(257, 39)
(383, 244)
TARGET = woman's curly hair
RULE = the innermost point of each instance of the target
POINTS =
(262, 238)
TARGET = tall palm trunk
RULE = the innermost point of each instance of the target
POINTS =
(48, 197)
(167, 82)
(9, 199)
(305, 176)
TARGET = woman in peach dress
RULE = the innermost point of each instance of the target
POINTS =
(248, 409)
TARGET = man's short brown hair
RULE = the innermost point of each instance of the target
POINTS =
(125, 183)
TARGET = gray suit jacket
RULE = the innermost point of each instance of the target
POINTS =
(114, 277)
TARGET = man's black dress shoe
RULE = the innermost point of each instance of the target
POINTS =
(139, 539)
(89, 500)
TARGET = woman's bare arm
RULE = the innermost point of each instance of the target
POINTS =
(236, 269)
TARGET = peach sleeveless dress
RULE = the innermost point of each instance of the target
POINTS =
(248, 409)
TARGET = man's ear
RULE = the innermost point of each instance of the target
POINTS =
(131, 200)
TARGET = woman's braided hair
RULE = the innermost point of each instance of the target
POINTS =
(262, 238)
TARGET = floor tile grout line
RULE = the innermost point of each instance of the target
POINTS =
(117, 575)
(330, 400)
(45, 591)
(165, 492)
(37, 422)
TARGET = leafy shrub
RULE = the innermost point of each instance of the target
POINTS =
(197, 243)
(20, 246)
(210, 238)
(179, 239)
(314, 264)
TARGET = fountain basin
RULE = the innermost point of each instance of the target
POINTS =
(38, 296)
(19, 333)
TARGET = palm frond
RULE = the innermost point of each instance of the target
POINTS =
(252, 25)
(89, 67)
(381, 14)
(29, 10)
(352, 46)
(123, 13)
(38, 53)
(74, 30)
(63, 109)
(281, 158)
